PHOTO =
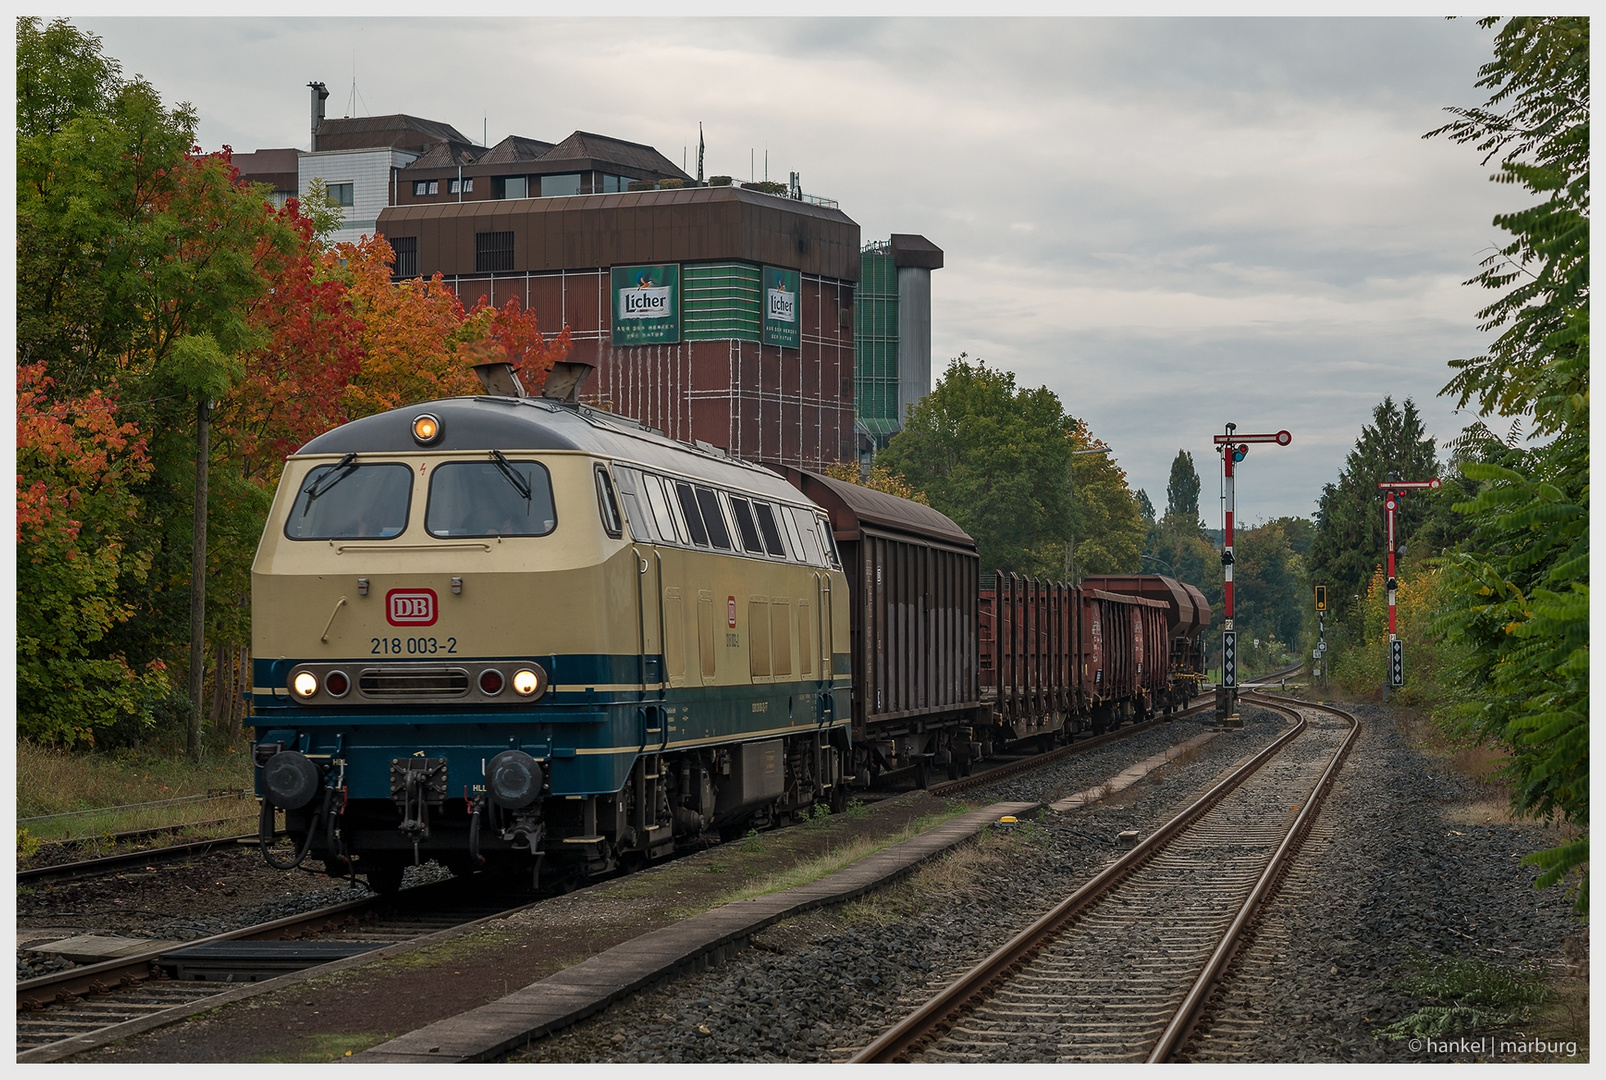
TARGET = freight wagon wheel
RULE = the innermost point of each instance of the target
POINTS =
(384, 878)
(922, 771)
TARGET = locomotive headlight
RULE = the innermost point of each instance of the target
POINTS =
(305, 684)
(529, 681)
(426, 428)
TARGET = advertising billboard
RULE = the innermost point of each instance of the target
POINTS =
(781, 314)
(646, 304)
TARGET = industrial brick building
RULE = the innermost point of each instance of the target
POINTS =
(720, 314)
(723, 367)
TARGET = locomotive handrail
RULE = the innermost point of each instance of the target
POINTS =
(341, 549)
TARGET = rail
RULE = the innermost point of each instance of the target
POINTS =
(921, 1024)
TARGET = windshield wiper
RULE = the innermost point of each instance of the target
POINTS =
(343, 468)
(501, 462)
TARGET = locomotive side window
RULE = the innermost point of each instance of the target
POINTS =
(742, 511)
(348, 501)
(490, 498)
(713, 517)
(668, 527)
(694, 515)
(610, 506)
(628, 481)
(828, 540)
(796, 542)
(766, 525)
(810, 536)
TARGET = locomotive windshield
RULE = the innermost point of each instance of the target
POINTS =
(490, 498)
(346, 501)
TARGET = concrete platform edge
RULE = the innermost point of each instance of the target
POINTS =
(498, 1031)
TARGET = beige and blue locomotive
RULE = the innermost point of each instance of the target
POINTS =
(514, 632)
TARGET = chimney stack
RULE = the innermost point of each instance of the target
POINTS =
(320, 94)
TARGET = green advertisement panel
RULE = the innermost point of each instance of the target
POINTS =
(646, 304)
(781, 314)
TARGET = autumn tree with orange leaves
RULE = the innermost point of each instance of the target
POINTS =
(151, 282)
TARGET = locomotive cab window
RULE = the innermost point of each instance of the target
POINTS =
(610, 505)
(348, 501)
(499, 497)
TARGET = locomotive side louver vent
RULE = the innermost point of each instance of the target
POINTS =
(394, 682)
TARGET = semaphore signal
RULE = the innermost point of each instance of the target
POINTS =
(1392, 490)
(1233, 448)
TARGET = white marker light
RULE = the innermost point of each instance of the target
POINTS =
(306, 684)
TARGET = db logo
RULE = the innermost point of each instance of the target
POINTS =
(410, 607)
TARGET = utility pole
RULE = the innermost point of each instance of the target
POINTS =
(1392, 490)
(203, 454)
(1233, 448)
(1070, 487)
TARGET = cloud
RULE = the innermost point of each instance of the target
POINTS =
(1170, 222)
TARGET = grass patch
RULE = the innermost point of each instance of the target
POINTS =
(958, 874)
(1469, 995)
(814, 869)
(331, 1046)
(109, 785)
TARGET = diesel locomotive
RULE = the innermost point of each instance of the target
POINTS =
(516, 634)
(511, 631)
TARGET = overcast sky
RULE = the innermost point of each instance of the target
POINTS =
(1172, 223)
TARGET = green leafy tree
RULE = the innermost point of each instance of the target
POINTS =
(1518, 589)
(1110, 527)
(1351, 532)
(1268, 580)
(994, 458)
(138, 262)
(1182, 490)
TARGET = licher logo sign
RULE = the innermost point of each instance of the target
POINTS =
(783, 304)
(411, 607)
(646, 304)
(781, 288)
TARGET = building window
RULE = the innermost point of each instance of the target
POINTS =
(341, 194)
(561, 184)
(493, 253)
(406, 249)
(514, 187)
(426, 187)
(615, 183)
(458, 187)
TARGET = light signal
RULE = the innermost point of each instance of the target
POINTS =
(1321, 598)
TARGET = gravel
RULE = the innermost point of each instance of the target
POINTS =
(1399, 878)
(1394, 878)
(222, 890)
(816, 988)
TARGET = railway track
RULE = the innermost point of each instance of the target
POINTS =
(72, 1011)
(1032, 762)
(1120, 970)
(110, 864)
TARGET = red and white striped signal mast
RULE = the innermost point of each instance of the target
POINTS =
(1392, 490)
(1232, 447)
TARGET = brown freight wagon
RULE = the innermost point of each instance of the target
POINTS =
(914, 582)
(1186, 615)
(1030, 643)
